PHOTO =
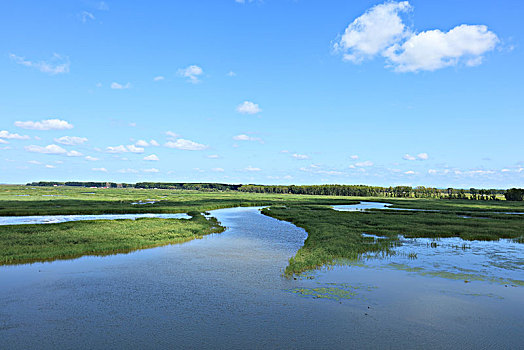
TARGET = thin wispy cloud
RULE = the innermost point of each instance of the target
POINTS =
(118, 86)
(48, 124)
(56, 65)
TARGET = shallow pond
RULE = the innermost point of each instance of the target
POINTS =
(54, 219)
(227, 291)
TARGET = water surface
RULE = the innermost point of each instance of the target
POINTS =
(227, 291)
(54, 219)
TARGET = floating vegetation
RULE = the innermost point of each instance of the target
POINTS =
(332, 291)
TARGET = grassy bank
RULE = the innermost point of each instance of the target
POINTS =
(334, 235)
(30, 243)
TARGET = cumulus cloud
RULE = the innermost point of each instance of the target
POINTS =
(373, 32)
(2, 141)
(49, 149)
(192, 73)
(381, 31)
(244, 137)
(213, 156)
(250, 168)
(420, 156)
(151, 157)
(186, 145)
(4, 134)
(409, 172)
(74, 154)
(135, 149)
(354, 157)
(71, 140)
(248, 107)
(154, 143)
(117, 86)
(116, 149)
(423, 156)
(104, 170)
(158, 78)
(142, 143)
(152, 170)
(218, 170)
(48, 124)
(49, 166)
(56, 65)
(91, 159)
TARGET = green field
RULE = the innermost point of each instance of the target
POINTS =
(332, 235)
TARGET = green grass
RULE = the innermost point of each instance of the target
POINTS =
(334, 235)
(30, 243)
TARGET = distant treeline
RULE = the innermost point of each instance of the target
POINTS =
(513, 194)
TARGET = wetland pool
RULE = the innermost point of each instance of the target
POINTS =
(54, 219)
(227, 291)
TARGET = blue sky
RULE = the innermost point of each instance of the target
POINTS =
(272, 92)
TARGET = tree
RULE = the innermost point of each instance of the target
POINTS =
(514, 194)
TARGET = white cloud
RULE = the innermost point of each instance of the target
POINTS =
(423, 156)
(57, 64)
(4, 134)
(172, 135)
(354, 157)
(151, 157)
(142, 143)
(300, 156)
(213, 156)
(158, 78)
(505, 170)
(248, 107)
(192, 73)
(244, 137)
(91, 159)
(432, 171)
(433, 49)
(134, 149)
(49, 166)
(367, 163)
(373, 32)
(250, 168)
(48, 124)
(71, 140)
(152, 170)
(381, 31)
(127, 171)
(409, 172)
(231, 74)
(117, 86)
(104, 170)
(186, 145)
(154, 143)
(420, 156)
(102, 6)
(49, 149)
(116, 149)
(34, 162)
(2, 141)
(85, 16)
(218, 170)
(74, 154)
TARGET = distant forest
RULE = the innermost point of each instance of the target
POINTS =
(513, 194)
